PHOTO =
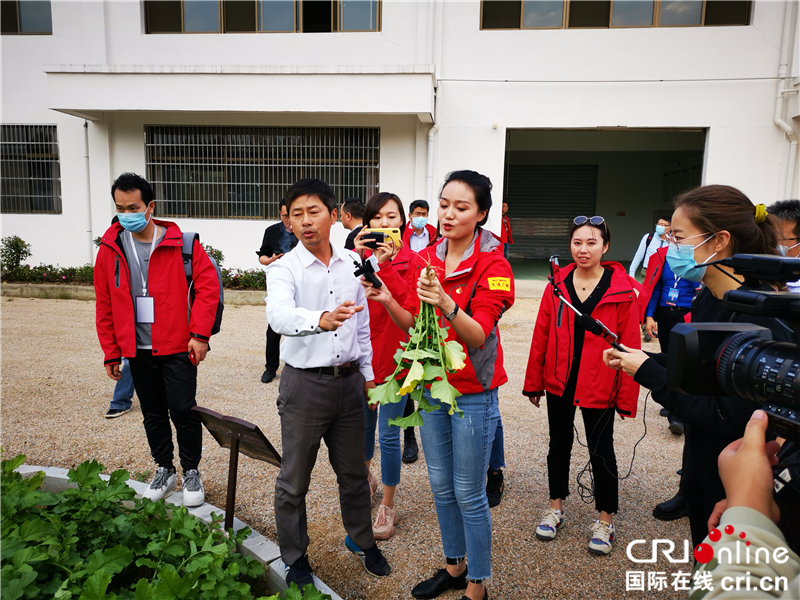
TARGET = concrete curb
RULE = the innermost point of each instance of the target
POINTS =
(256, 546)
(86, 292)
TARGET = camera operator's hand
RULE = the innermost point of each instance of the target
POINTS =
(745, 468)
(381, 294)
(651, 327)
(628, 361)
(716, 514)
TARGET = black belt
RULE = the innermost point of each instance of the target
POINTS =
(336, 370)
(676, 308)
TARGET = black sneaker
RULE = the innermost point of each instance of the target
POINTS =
(372, 558)
(268, 376)
(300, 573)
(113, 413)
(494, 487)
(410, 448)
(439, 584)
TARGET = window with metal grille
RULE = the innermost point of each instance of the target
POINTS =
(29, 169)
(243, 172)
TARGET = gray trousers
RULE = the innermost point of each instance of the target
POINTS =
(317, 407)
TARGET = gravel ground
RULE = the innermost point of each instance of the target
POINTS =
(55, 392)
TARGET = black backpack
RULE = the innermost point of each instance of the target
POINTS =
(187, 244)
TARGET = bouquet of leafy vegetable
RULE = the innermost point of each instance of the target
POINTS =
(426, 359)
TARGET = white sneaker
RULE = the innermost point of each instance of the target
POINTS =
(163, 482)
(602, 537)
(552, 521)
(193, 492)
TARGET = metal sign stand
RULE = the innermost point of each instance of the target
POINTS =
(239, 436)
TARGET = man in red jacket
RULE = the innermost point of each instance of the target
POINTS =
(142, 307)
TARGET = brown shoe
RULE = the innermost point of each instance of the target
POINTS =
(387, 518)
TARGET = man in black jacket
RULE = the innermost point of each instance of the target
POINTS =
(278, 240)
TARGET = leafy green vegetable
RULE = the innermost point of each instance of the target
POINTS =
(86, 544)
(423, 361)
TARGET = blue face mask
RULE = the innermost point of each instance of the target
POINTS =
(660, 230)
(419, 222)
(133, 222)
(681, 260)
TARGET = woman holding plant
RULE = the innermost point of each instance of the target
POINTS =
(455, 353)
(566, 363)
(385, 210)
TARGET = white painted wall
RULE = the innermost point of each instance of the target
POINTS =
(721, 79)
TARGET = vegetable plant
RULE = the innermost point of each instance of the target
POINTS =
(423, 361)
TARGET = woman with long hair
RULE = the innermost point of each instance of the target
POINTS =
(472, 288)
(566, 365)
(710, 223)
(385, 210)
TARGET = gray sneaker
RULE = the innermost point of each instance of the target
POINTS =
(193, 492)
(163, 482)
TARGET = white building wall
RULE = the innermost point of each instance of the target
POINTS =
(721, 79)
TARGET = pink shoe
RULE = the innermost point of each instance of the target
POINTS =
(385, 521)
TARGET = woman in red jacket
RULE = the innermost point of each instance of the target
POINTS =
(472, 288)
(385, 210)
(567, 365)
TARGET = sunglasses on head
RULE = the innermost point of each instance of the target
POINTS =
(596, 221)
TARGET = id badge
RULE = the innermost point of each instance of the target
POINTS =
(673, 295)
(145, 309)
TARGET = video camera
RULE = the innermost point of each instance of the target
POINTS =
(741, 359)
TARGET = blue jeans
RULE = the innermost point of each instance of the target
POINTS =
(123, 390)
(497, 459)
(389, 440)
(457, 453)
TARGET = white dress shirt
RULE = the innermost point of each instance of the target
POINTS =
(419, 242)
(645, 251)
(301, 288)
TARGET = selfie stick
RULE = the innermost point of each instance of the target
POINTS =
(584, 321)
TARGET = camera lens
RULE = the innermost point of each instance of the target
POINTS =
(760, 370)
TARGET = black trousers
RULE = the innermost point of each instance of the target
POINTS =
(700, 486)
(315, 407)
(598, 424)
(666, 318)
(166, 387)
(273, 352)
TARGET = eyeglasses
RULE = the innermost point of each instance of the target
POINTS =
(671, 239)
(596, 220)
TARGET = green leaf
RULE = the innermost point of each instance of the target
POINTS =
(10, 465)
(10, 546)
(412, 420)
(312, 593)
(423, 404)
(293, 593)
(171, 584)
(454, 356)
(85, 473)
(418, 354)
(112, 561)
(434, 371)
(414, 377)
(16, 587)
(386, 393)
(144, 590)
(95, 587)
(442, 390)
(34, 531)
(28, 555)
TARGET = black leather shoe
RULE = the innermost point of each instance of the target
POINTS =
(494, 487)
(672, 509)
(663, 412)
(410, 449)
(300, 573)
(267, 376)
(439, 583)
(675, 426)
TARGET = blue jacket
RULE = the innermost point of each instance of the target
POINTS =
(661, 290)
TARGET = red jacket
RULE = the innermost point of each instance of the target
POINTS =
(505, 231)
(483, 286)
(550, 358)
(116, 326)
(654, 269)
(410, 230)
(384, 334)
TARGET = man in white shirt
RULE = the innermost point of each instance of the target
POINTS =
(788, 214)
(649, 244)
(418, 233)
(316, 301)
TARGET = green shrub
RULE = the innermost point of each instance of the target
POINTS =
(217, 255)
(87, 543)
(251, 279)
(13, 250)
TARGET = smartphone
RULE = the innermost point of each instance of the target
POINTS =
(193, 358)
(382, 235)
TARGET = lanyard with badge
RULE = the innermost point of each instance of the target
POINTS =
(145, 309)
(673, 292)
